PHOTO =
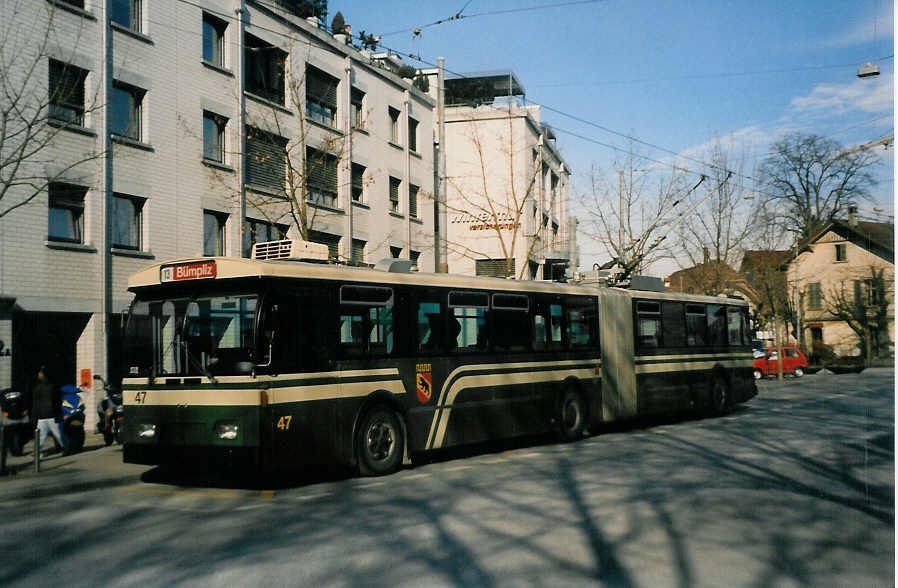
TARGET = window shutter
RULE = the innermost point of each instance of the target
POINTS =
(321, 87)
(413, 201)
(332, 242)
(394, 189)
(322, 170)
(494, 268)
(265, 159)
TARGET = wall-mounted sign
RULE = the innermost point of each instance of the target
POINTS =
(486, 221)
(194, 270)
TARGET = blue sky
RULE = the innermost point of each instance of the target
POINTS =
(671, 73)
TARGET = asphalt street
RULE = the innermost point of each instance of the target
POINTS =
(795, 488)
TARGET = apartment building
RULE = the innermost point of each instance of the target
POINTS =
(177, 129)
(506, 183)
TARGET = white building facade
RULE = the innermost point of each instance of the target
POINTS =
(217, 121)
(506, 183)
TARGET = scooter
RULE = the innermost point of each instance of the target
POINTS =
(72, 419)
(110, 413)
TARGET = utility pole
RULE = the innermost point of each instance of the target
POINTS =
(442, 261)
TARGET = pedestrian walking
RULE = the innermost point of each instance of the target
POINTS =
(45, 407)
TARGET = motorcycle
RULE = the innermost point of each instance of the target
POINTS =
(17, 426)
(110, 413)
(72, 419)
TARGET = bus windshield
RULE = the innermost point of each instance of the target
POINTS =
(209, 335)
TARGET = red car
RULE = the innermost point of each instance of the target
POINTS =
(794, 363)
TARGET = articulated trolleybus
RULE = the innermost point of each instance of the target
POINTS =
(284, 363)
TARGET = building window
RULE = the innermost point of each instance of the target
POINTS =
(214, 137)
(127, 214)
(357, 109)
(213, 40)
(357, 255)
(321, 177)
(264, 69)
(815, 296)
(841, 254)
(413, 201)
(395, 252)
(67, 92)
(126, 13)
(394, 125)
(332, 242)
(214, 232)
(259, 231)
(126, 111)
(412, 134)
(321, 97)
(266, 160)
(358, 182)
(65, 219)
(394, 194)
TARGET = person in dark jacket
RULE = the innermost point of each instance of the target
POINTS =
(45, 407)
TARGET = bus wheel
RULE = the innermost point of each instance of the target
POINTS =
(571, 415)
(720, 396)
(380, 443)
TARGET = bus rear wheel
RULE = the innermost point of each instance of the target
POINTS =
(720, 396)
(380, 443)
(571, 415)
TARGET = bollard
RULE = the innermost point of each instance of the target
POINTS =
(37, 451)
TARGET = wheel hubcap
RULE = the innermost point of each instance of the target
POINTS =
(380, 440)
(571, 414)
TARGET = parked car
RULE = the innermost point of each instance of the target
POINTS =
(794, 363)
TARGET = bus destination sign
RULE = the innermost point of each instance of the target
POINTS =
(195, 270)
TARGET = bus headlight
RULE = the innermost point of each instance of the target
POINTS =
(146, 431)
(227, 431)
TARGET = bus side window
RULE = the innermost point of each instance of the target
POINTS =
(696, 325)
(430, 332)
(734, 326)
(674, 334)
(366, 321)
(467, 320)
(510, 322)
(648, 324)
(547, 317)
(717, 325)
(583, 322)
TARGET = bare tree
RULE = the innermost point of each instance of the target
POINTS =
(809, 180)
(714, 234)
(292, 171)
(42, 96)
(863, 303)
(630, 207)
(496, 202)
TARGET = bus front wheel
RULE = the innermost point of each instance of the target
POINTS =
(380, 443)
(571, 415)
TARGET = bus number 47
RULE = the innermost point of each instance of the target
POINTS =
(284, 422)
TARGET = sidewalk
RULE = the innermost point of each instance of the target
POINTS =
(96, 466)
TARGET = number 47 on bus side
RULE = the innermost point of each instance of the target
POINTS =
(284, 422)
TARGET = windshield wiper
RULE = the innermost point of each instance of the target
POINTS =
(197, 363)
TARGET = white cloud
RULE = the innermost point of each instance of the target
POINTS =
(862, 32)
(867, 95)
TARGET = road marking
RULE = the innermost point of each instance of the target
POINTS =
(458, 468)
(494, 461)
(313, 496)
(530, 455)
(266, 494)
(417, 476)
(370, 484)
